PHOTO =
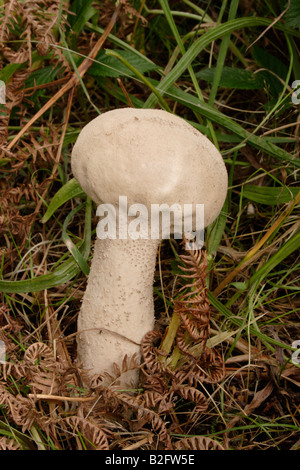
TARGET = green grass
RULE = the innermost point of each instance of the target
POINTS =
(228, 70)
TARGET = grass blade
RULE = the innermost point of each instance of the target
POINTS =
(270, 196)
(67, 271)
(240, 322)
(292, 245)
(70, 190)
(199, 45)
(222, 55)
(261, 143)
(140, 76)
(166, 9)
(75, 252)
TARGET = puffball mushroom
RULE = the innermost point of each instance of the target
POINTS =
(151, 157)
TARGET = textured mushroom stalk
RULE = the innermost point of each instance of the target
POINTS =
(117, 308)
(152, 158)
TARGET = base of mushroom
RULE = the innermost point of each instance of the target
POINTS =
(124, 358)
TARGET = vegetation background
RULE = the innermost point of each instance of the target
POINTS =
(230, 68)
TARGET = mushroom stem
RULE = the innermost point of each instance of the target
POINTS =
(117, 308)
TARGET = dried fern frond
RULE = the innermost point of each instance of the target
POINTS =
(212, 366)
(155, 400)
(42, 368)
(192, 394)
(21, 409)
(11, 23)
(192, 308)
(198, 443)
(32, 21)
(150, 352)
(23, 26)
(129, 10)
(92, 437)
(209, 368)
(147, 406)
(152, 417)
(9, 444)
(192, 305)
(191, 345)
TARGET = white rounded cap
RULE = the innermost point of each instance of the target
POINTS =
(152, 157)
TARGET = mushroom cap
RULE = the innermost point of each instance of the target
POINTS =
(152, 157)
